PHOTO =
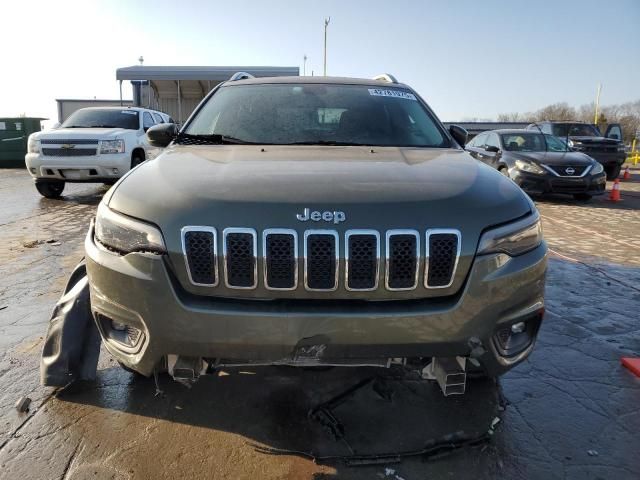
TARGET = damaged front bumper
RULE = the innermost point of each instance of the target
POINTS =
(154, 318)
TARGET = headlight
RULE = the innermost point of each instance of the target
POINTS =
(597, 168)
(112, 146)
(529, 167)
(513, 239)
(33, 145)
(125, 234)
(622, 147)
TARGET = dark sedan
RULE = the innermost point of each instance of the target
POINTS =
(539, 163)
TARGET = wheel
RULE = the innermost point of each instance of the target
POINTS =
(613, 172)
(136, 159)
(50, 188)
(583, 197)
(504, 171)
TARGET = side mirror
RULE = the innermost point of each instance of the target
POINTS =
(162, 135)
(459, 134)
(492, 148)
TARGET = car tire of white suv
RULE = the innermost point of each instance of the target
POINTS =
(50, 188)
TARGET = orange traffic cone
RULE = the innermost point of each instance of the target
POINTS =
(627, 174)
(614, 196)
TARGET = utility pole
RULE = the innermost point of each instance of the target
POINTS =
(595, 118)
(304, 65)
(326, 24)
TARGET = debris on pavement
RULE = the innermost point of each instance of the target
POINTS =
(22, 405)
(492, 427)
(72, 344)
(592, 453)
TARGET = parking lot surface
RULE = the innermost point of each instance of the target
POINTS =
(570, 411)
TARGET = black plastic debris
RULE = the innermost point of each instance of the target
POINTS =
(23, 404)
(72, 344)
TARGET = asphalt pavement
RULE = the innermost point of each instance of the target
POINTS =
(570, 411)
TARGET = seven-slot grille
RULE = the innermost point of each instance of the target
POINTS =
(402, 258)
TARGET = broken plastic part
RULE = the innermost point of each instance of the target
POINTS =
(72, 344)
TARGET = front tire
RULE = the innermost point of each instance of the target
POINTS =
(136, 159)
(50, 188)
(613, 172)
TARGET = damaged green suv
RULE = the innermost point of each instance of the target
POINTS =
(316, 221)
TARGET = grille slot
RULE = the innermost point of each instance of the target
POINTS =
(240, 251)
(280, 250)
(321, 260)
(403, 254)
(362, 258)
(443, 250)
(68, 152)
(69, 141)
(200, 253)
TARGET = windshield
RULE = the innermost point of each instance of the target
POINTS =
(285, 114)
(101, 118)
(532, 142)
(575, 130)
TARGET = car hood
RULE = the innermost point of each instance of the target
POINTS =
(589, 139)
(445, 186)
(554, 158)
(82, 133)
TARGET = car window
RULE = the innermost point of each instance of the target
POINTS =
(480, 140)
(103, 118)
(492, 140)
(317, 114)
(158, 118)
(532, 142)
(147, 120)
(575, 130)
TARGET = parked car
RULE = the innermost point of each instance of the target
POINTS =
(609, 149)
(539, 163)
(98, 144)
(316, 221)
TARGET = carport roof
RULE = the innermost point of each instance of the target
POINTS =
(143, 72)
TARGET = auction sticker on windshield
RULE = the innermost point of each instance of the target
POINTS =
(379, 92)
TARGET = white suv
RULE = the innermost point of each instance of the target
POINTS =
(93, 145)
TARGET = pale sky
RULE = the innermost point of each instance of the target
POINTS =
(466, 58)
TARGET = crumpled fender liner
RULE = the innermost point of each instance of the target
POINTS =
(72, 345)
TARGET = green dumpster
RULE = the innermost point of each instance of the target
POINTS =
(14, 133)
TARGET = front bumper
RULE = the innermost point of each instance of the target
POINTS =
(139, 290)
(92, 168)
(548, 183)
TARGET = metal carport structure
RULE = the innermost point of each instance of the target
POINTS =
(178, 90)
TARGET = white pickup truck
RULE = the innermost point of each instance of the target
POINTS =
(94, 145)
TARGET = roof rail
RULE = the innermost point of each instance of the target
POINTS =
(386, 77)
(240, 76)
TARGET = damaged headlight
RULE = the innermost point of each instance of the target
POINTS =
(513, 239)
(125, 234)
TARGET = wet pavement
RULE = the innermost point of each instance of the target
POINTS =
(570, 411)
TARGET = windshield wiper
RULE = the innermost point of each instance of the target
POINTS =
(213, 139)
(103, 126)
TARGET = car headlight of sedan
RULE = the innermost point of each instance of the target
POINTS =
(112, 146)
(33, 144)
(514, 238)
(529, 167)
(125, 234)
(597, 168)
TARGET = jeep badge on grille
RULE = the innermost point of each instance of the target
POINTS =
(335, 216)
